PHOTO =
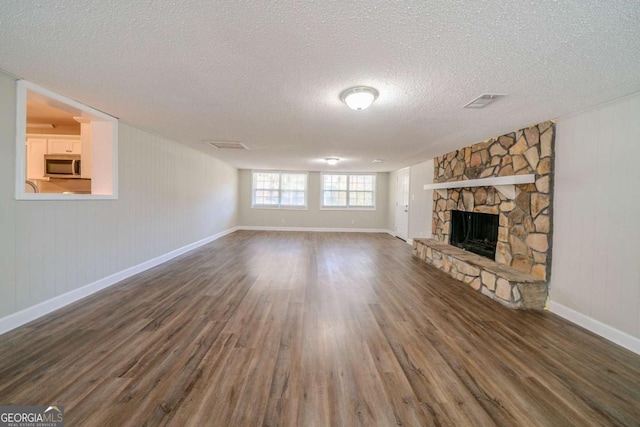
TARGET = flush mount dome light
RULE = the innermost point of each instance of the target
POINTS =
(359, 97)
(332, 161)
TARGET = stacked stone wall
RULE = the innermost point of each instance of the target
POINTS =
(501, 283)
(525, 231)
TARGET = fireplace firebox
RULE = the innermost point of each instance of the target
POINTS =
(475, 232)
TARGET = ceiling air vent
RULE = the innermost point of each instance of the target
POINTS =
(484, 100)
(228, 145)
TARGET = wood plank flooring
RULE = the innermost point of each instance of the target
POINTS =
(312, 329)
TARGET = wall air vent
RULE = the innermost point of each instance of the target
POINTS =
(228, 145)
(484, 100)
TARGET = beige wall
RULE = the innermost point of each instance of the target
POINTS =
(393, 197)
(169, 196)
(313, 217)
(420, 200)
(596, 255)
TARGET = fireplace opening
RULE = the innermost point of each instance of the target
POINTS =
(475, 232)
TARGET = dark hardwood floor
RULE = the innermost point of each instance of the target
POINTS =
(305, 329)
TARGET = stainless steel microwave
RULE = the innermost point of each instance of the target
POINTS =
(62, 165)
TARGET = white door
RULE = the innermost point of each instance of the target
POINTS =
(402, 204)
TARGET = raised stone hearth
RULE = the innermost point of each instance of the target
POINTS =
(522, 262)
(499, 282)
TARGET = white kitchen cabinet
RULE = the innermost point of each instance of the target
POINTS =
(64, 146)
(36, 149)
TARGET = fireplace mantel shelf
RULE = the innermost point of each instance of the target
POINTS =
(504, 184)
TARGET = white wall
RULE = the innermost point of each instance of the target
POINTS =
(313, 217)
(169, 196)
(420, 200)
(393, 198)
(595, 276)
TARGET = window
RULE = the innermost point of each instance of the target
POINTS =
(65, 150)
(279, 189)
(349, 191)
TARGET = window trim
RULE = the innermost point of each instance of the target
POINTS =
(22, 87)
(280, 206)
(347, 207)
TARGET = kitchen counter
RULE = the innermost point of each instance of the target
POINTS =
(70, 186)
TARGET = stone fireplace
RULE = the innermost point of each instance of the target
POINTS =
(475, 232)
(524, 213)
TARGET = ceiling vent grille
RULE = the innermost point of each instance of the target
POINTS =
(228, 145)
(484, 100)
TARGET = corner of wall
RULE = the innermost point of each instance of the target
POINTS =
(391, 211)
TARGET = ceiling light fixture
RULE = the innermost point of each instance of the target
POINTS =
(377, 161)
(359, 97)
(332, 161)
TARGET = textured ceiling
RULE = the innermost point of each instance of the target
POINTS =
(41, 109)
(269, 74)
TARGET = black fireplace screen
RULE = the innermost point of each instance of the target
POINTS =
(475, 232)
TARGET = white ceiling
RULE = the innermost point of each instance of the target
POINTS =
(269, 74)
(42, 109)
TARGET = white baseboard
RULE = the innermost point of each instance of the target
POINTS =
(22, 317)
(314, 229)
(614, 335)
